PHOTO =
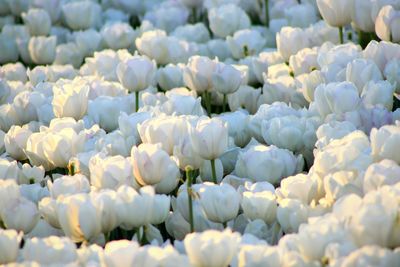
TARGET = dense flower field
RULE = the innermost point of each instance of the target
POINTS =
(200, 133)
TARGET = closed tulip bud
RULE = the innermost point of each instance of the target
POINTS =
(105, 202)
(211, 248)
(20, 214)
(48, 210)
(151, 164)
(42, 49)
(290, 41)
(227, 19)
(198, 74)
(59, 250)
(171, 76)
(79, 218)
(133, 208)
(259, 205)
(9, 243)
(219, 202)
(38, 22)
(335, 12)
(227, 79)
(361, 15)
(15, 141)
(81, 15)
(137, 73)
(387, 24)
(209, 138)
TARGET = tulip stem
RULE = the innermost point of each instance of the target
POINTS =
(224, 103)
(341, 35)
(266, 13)
(189, 192)
(214, 174)
(207, 99)
(138, 235)
(137, 101)
(225, 224)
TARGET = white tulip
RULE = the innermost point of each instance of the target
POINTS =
(9, 242)
(384, 142)
(259, 205)
(209, 138)
(38, 22)
(151, 164)
(290, 41)
(81, 15)
(335, 12)
(42, 49)
(227, 19)
(378, 93)
(118, 35)
(211, 248)
(15, 141)
(69, 185)
(79, 218)
(59, 250)
(198, 74)
(20, 214)
(226, 79)
(387, 24)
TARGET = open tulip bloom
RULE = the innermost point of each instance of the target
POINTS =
(205, 133)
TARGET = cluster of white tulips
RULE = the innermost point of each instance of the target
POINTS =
(206, 133)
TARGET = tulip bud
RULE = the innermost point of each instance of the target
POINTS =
(151, 164)
(20, 214)
(9, 243)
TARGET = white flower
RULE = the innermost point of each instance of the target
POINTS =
(245, 97)
(302, 187)
(136, 73)
(42, 49)
(361, 71)
(15, 141)
(336, 13)
(211, 248)
(70, 100)
(169, 77)
(151, 164)
(336, 98)
(38, 22)
(110, 172)
(162, 48)
(197, 33)
(167, 17)
(9, 243)
(118, 35)
(88, 41)
(385, 172)
(267, 163)
(259, 205)
(392, 73)
(384, 142)
(198, 74)
(59, 250)
(79, 218)
(387, 24)
(219, 202)
(81, 15)
(379, 94)
(302, 15)
(245, 43)
(361, 15)
(227, 19)
(290, 40)
(209, 138)
(226, 78)
(69, 185)
(20, 214)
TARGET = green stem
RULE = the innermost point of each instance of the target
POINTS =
(207, 99)
(224, 224)
(138, 235)
(107, 237)
(214, 173)
(224, 104)
(189, 192)
(266, 13)
(341, 35)
(137, 100)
